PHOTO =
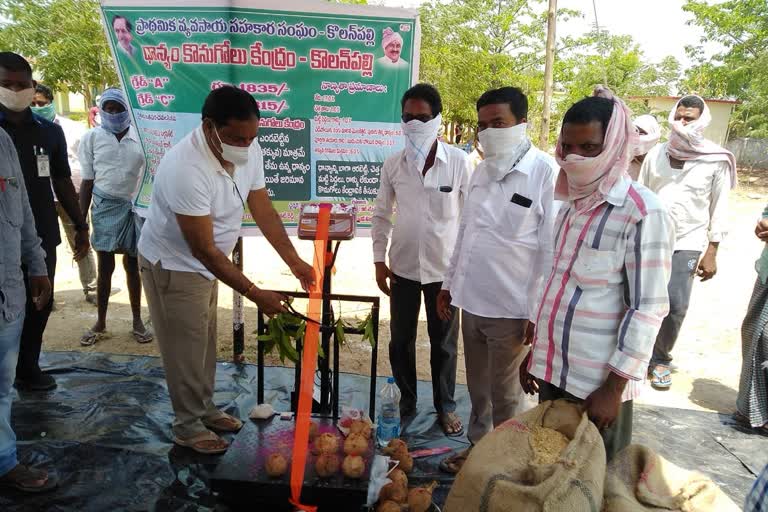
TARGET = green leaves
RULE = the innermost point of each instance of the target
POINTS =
(283, 331)
(63, 39)
(740, 70)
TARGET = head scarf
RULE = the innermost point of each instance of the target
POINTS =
(688, 142)
(113, 94)
(390, 36)
(591, 179)
(652, 130)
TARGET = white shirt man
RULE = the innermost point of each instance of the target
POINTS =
(428, 183)
(692, 176)
(201, 188)
(120, 163)
(503, 248)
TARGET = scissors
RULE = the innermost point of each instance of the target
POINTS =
(295, 313)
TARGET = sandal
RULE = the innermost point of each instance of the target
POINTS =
(145, 336)
(206, 443)
(447, 420)
(92, 337)
(661, 377)
(224, 423)
(454, 463)
(26, 479)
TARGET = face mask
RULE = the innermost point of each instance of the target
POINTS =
(644, 145)
(115, 123)
(47, 112)
(502, 147)
(16, 101)
(236, 155)
(419, 138)
(584, 174)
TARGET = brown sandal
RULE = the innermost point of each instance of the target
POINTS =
(206, 443)
(27, 479)
(224, 423)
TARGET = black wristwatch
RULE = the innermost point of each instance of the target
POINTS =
(81, 227)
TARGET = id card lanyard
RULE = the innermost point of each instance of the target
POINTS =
(43, 162)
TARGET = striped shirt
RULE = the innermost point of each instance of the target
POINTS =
(757, 499)
(606, 296)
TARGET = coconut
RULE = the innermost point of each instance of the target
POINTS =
(276, 465)
(353, 466)
(326, 443)
(327, 465)
(420, 498)
(355, 444)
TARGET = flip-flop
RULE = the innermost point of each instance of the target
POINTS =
(454, 463)
(143, 337)
(92, 337)
(22, 475)
(196, 443)
(661, 377)
(224, 423)
(446, 419)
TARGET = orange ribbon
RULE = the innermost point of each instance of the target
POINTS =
(309, 363)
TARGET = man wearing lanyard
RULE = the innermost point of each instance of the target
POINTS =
(42, 151)
(427, 181)
(503, 249)
(201, 187)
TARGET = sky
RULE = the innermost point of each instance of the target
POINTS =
(658, 26)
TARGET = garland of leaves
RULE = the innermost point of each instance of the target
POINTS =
(286, 330)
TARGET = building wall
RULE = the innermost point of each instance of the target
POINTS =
(717, 131)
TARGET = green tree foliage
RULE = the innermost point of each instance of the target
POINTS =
(740, 69)
(63, 40)
(470, 46)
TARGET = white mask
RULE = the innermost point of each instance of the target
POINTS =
(235, 155)
(419, 137)
(16, 101)
(502, 147)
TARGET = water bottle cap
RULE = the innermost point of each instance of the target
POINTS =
(390, 380)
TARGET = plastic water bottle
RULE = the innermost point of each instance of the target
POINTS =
(388, 421)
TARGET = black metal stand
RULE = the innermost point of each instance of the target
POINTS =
(329, 379)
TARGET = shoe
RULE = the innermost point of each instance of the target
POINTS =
(41, 382)
(90, 297)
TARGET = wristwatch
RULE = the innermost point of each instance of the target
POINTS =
(81, 227)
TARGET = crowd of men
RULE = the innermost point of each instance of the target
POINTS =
(568, 276)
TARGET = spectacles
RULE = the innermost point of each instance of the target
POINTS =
(424, 118)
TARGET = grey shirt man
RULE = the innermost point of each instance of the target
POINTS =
(20, 243)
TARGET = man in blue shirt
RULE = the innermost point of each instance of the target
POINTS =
(20, 245)
(42, 153)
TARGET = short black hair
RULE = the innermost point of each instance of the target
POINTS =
(691, 101)
(14, 62)
(45, 91)
(128, 23)
(228, 102)
(513, 96)
(424, 92)
(590, 109)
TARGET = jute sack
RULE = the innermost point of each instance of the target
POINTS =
(500, 474)
(639, 480)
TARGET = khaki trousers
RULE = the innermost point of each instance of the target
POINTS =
(493, 352)
(183, 310)
(87, 266)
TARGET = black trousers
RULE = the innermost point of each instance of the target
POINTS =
(615, 438)
(405, 303)
(34, 324)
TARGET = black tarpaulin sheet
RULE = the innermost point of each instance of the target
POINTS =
(105, 433)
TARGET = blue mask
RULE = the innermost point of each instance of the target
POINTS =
(115, 123)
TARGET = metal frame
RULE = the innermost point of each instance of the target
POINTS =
(327, 330)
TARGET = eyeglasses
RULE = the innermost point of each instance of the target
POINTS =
(424, 118)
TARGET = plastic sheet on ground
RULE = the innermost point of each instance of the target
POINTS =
(105, 433)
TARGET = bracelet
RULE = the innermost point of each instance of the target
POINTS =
(249, 290)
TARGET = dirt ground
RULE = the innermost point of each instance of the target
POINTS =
(707, 356)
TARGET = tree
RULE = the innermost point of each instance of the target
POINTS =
(740, 70)
(63, 39)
